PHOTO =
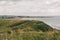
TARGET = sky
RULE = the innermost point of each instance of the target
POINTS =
(30, 7)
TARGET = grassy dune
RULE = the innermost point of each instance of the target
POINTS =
(27, 30)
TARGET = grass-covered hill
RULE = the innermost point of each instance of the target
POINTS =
(27, 30)
(25, 25)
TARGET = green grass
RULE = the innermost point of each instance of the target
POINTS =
(27, 30)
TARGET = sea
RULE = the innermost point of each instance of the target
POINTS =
(53, 21)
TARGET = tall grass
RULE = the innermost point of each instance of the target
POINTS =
(27, 30)
(31, 36)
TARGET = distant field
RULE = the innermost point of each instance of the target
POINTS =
(27, 30)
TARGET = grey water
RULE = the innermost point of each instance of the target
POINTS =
(53, 21)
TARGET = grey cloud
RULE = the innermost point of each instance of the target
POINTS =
(29, 8)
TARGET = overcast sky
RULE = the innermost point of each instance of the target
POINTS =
(30, 7)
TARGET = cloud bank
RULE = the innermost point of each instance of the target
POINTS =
(30, 7)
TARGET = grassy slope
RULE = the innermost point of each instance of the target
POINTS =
(27, 30)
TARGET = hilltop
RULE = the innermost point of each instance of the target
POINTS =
(27, 30)
(31, 25)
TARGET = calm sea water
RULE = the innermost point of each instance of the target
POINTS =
(53, 21)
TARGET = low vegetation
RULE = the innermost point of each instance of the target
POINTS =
(27, 30)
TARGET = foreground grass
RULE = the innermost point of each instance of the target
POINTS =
(27, 30)
(54, 35)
